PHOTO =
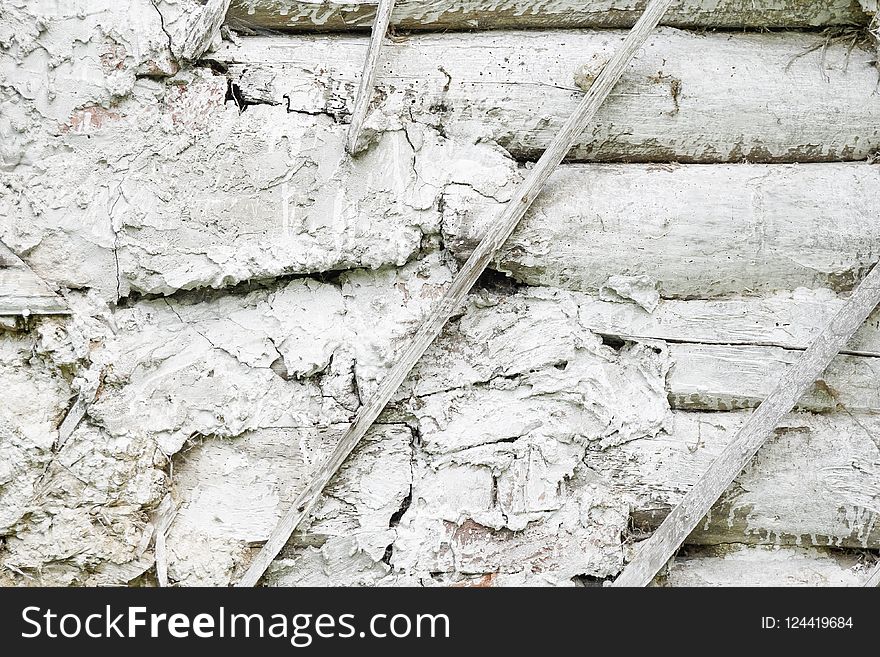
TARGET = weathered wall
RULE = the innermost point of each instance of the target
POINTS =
(235, 286)
(333, 15)
(687, 97)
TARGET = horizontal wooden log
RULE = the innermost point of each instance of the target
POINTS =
(777, 97)
(336, 15)
(22, 293)
(722, 378)
(814, 483)
(787, 319)
(693, 231)
(741, 565)
(727, 354)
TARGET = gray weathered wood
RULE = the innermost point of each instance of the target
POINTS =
(22, 292)
(460, 286)
(658, 549)
(162, 520)
(731, 377)
(199, 30)
(702, 98)
(337, 15)
(74, 416)
(740, 229)
(874, 578)
(368, 76)
(790, 320)
(814, 482)
(763, 566)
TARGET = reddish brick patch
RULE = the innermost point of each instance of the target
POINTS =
(190, 106)
(485, 582)
(113, 58)
(89, 118)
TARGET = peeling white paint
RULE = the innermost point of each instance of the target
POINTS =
(237, 287)
(687, 97)
(765, 566)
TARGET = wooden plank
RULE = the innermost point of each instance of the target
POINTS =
(192, 39)
(74, 416)
(337, 15)
(718, 97)
(657, 550)
(788, 319)
(725, 378)
(368, 76)
(764, 566)
(22, 292)
(459, 287)
(697, 232)
(162, 519)
(873, 580)
(814, 483)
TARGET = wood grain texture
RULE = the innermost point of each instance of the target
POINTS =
(368, 76)
(194, 38)
(815, 482)
(22, 292)
(338, 15)
(695, 231)
(789, 320)
(873, 580)
(763, 566)
(73, 417)
(658, 549)
(461, 284)
(724, 378)
(724, 97)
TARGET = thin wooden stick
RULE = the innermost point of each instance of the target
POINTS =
(165, 515)
(658, 549)
(873, 580)
(368, 76)
(74, 416)
(491, 243)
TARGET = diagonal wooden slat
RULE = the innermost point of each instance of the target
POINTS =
(873, 580)
(368, 77)
(74, 416)
(488, 247)
(653, 553)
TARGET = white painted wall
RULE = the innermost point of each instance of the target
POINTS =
(237, 286)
